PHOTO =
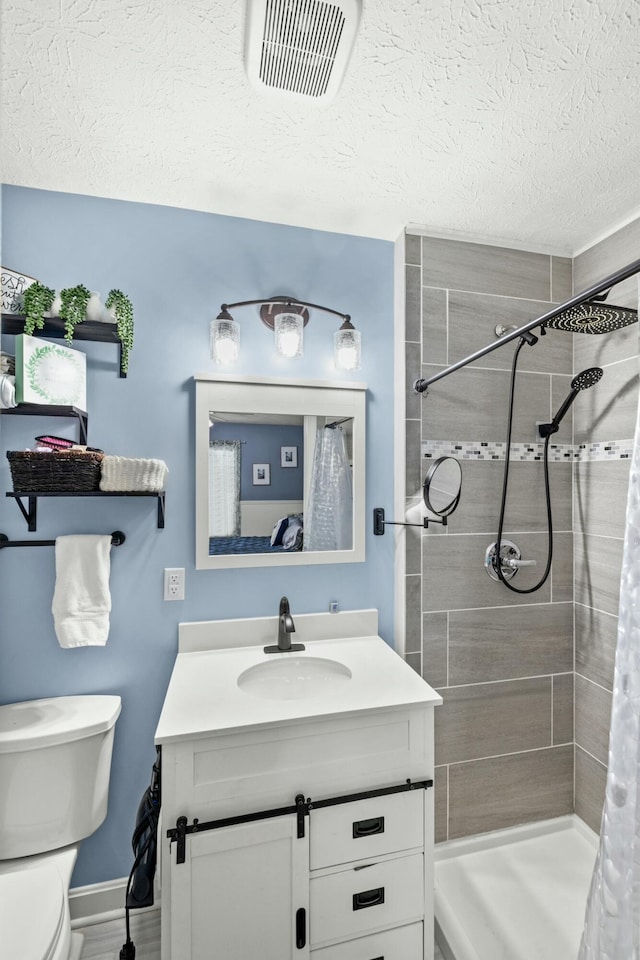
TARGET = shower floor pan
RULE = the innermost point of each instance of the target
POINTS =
(516, 894)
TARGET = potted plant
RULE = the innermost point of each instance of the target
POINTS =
(121, 309)
(73, 309)
(36, 301)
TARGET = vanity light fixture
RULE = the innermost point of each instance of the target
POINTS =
(287, 317)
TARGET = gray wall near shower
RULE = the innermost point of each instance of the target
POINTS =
(504, 663)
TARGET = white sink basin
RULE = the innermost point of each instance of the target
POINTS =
(294, 678)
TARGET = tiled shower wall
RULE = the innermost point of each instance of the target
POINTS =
(600, 489)
(503, 662)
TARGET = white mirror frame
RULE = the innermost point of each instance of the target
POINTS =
(305, 397)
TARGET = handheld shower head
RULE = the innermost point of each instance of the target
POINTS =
(588, 378)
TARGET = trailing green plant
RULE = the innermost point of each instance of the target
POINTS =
(119, 303)
(36, 301)
(74, 308)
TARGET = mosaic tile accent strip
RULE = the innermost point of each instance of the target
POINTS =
(558, 452)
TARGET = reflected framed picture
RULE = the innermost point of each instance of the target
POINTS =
(288, 456)
(261, 474)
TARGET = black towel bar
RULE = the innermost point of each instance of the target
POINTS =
(117, 538)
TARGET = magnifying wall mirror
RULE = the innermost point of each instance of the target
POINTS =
(442, 486)
(279, 472)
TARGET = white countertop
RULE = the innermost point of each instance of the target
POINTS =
(204, 698)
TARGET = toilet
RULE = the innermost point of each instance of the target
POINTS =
(55, 762)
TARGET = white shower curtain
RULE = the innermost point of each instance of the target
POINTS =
(224, 488)
(328, 522)
(612, 918)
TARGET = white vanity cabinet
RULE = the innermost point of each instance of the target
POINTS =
(297, 830)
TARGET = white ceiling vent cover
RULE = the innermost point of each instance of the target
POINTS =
(300, 48)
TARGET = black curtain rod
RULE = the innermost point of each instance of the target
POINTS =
(420, 386)
(117, 539)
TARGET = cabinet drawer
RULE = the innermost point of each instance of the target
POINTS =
(353, 902)
(403, 943)
(366, 828)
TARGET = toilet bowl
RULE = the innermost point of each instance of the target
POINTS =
(55, 761)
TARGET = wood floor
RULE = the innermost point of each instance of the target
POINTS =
(103, 941)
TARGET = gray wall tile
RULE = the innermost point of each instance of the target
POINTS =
(413, 470)
(606, 257)
(472, 404)
(479, 507)
(452, 561)
(600, 497)
(485, 269)
(561, 278)
(563, 708)
(472, 321)
(505, 642)
(596, 640)
(413, 659)
(413, 318)
(607, 411)
(412, 248)
(413, 370)
(434, 649)
(435, 343)
(602, 349)
(504, 791)
(591, 782)
(413, 618)
(598, 562)
(441, 803)
(413, 547)
(593, 716)
(486, 719)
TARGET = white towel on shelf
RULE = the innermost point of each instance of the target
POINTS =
(81, 598)
(7, 391)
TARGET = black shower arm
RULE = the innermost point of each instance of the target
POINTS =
(420, 386)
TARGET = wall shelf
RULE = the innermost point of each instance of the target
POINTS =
(51, 410)
(30, 512)
(54, 327)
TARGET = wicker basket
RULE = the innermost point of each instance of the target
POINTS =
(121, 474)
(59, 470)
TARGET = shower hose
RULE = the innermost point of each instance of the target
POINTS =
(505, 481)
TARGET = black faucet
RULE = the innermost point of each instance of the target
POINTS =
(286, 627)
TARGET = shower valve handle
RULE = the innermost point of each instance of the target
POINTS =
(515, 564)
(510, 560)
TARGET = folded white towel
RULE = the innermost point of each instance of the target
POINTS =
(81, 598)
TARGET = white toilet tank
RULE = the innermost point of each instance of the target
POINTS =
(55, 761)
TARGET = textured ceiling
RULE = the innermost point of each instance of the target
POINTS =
(513, 119)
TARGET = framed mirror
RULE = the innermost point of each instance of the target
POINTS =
(280, 472)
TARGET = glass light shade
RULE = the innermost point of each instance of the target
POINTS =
(225, 340)
(288, 329)
(346, 348)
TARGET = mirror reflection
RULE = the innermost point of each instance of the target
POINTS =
(279, 482)
(279, 472)
(442, 486)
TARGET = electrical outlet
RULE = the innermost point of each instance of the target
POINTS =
(174, 583)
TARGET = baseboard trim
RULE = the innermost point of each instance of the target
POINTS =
(99, 902)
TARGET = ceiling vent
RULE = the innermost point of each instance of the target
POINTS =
(300, 48)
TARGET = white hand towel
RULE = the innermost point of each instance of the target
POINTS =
(81, 598)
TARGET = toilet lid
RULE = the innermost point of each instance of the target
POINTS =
(25, 896)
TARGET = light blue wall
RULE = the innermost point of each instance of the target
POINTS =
(177, 266)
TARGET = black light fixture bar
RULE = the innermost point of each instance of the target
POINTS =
(420, 386)
(286, 301)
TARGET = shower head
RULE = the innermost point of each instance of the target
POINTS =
(593, 317)
(588, 378)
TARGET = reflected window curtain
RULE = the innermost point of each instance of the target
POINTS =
(224, 488)
(328, 523)
(612, 921)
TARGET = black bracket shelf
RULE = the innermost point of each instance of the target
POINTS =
(30, 512)
(54, 327)
(51, 410)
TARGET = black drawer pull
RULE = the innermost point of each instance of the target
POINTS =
(301, 928)
(368, 898)
(367, 828)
